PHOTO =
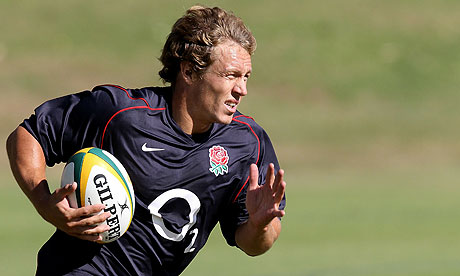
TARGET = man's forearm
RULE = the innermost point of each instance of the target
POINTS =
(28, 164)
(255, 240)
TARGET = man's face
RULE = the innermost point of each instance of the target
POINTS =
(220, 89)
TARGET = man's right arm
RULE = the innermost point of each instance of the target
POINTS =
(28, 165)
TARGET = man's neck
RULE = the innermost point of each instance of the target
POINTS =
(182, 113)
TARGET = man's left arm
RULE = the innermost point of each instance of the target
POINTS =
(263, 226)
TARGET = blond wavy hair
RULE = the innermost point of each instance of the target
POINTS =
(194, 36)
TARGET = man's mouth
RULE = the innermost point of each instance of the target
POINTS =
(231, 104)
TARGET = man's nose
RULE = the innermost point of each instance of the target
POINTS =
(240, 87)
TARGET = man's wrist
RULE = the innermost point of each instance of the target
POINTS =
(256, 227)
(40, 195)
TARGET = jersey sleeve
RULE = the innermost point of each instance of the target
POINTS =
(236, 213)
(67, 124)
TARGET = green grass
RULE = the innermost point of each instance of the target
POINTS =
(359, 98)
(357, 223)
(22, 232)
(374, 222)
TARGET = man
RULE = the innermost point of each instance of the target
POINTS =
(209, 159)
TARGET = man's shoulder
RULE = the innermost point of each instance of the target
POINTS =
(248, 122)
(152, 97)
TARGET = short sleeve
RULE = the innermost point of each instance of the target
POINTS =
(67, 124)
(236, 212)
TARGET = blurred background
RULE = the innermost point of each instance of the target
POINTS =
(359, 98)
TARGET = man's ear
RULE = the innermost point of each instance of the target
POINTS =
(187, 72)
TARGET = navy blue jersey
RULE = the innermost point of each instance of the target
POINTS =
(184, 184)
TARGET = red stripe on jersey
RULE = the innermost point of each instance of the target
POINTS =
(119, 111)
(258, 149)
(239, 192)
(243, 116)
(127, 93)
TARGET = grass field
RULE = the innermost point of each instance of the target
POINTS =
(359, 98)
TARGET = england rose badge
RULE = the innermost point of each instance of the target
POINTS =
(218, 159)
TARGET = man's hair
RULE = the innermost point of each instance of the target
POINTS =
(194, 35)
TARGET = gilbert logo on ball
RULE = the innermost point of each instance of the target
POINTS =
(101, 179)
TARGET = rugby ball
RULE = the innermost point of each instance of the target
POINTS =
(101, 178)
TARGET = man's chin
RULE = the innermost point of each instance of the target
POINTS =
(226, 120)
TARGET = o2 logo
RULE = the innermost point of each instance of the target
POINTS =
(158, 222)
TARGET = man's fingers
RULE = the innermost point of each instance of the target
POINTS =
(280, 192)
(87, 218)
(91, 230)
(91, 233)
(66, 190)
(278, 179)
(89, 210)
(90, 220)
(270, 175)
(253, 177)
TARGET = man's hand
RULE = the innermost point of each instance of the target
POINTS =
(81, 223)
(263, 227)
(28, 165)
(262, 202)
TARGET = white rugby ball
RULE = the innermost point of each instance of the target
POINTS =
(101, 178)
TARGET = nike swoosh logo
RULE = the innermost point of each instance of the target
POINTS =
(147, 149)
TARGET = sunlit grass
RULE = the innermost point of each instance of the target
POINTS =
(359, 98)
